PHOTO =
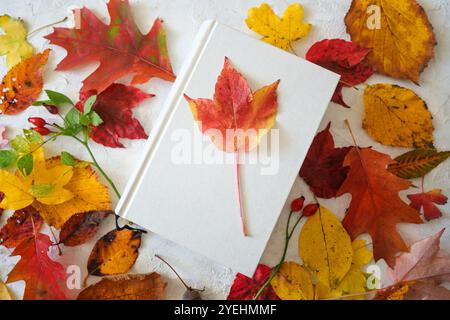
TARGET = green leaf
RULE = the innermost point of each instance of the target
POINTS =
(25, 164)
(96, 120)
(85, 120)
(32, 136)
(72, 117)
(41, 190)
(42, 102)
(89, 103)
(417, 163)
(7, 158)
(20, 144)
(68, 159)
(58, 98)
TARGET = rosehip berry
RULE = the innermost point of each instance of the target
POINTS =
(43, 131)
(38, 122)
(51, 109)
(310, 209)
(297, 204)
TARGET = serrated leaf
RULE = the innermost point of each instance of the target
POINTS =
(58, 98)
(7, 158)
(417, 163)
(13, 41)
(25, 164)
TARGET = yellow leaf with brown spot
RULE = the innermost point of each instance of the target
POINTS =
(397, 31)
(398, 117)
(13, 43)
(4, 293)
(128, 287)
(114, 253)
(394, 292)
(293, 282)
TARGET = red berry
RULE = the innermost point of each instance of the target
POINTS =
(38, 122)
(310, 209)
(51, 109)
(43, 131)
(297, 204)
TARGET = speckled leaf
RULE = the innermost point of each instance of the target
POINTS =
(21, 225)
(417, 163)
(81, 227)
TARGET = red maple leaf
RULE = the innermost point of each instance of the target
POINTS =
(20, 226)
(323, 170)
(245, 288)
(342, 57)
(428, 201)
(120, 48)
(376, 207)
(114, 105)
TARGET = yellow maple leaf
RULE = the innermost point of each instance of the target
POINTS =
(280, 32)
(14, 42)
(398, 33)
(293, 282)
(396, 116)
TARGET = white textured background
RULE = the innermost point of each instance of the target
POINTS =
(182, 19)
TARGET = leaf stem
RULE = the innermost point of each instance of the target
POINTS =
(241, 206)
(46, 26)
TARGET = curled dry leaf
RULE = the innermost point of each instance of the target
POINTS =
(13, 43)
(293, 282)
(397, 31)
(398, 117)
(21, 225)
(128, 287)
(22, 85)
(417, 163)
(114, 253)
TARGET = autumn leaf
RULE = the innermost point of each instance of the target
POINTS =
(114, 106)
(114, 253)
(280, 32)
(293, 282)
(376, 207)
(428, 201)
(22, 85)
(245, 288)
(81, 227)
(396, 116)
(322, 169)
(417, 163)
(344, 58)
(128, 287)
(13, 43)
(402, 42)
(120, 48)
(21, 225)
(4, 292)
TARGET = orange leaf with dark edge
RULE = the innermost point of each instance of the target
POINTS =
(120, 48)
(245, 288)
(403, 44)
(417, 163)
(236, 108)
(21, 225)
(128, 287)
(322, 169)
(23, 84)
(81, 227)
(114, 253)
(114, 106)
(427, 201)
(344, 58)
(376, 207)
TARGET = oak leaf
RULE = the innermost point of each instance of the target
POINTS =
(398, 33)
(396, 116)
(13, 43)
(120, 48)
(417, 163)
(428, 201)
(293, 282)
(21, 225)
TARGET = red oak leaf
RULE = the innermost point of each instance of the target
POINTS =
(21, 225)
(114, 107)
(245, 288)
(323, 170)
(428, 202)
(120, 48)
(342, 57)
(376, 207)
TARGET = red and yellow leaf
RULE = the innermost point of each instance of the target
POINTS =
(21, 225)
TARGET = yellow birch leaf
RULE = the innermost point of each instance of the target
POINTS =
(280, 32)
(14, 42)
(4, 293)
(397, 31)
(326, 248)
(293, 282)
(398, 117)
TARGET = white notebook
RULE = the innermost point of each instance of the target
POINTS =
(180, 194)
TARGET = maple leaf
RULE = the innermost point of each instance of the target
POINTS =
(397, 116)
(376, 207)
(3, 140)
(120, 48)
(21, 225)
(22, 85)
(245, 288)
(344, 58)
(280, 32)
(396, 51)
(428, 201)
(14, 42)
(417, 163)
(322, 169)
(114, 106)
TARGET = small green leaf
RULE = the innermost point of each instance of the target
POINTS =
(25, 164)
(32, 136)
(89, 103)
(58, 98)
(20, 144)
(72, 117)
(41, 190)
(7, 158)
(42, 102)
(96, 120)
(68, 159)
